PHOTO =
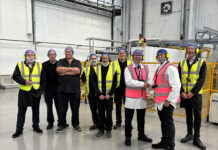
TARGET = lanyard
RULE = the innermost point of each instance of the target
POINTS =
(158, 72)
(138, 75)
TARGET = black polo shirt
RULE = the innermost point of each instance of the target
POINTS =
(69, 83)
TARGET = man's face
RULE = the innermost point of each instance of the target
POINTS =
(191, 52)
(105, 58)
(137, 58)
(161, 57)
(52, 56)
(68, 54)
(122, 54)
(30, 55)
(93, 58)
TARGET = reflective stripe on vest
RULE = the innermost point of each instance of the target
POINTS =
(193, 75)
(34, 77)
(163, 88)
(136, 92)
(116, 66)
(109, 78)
(87, 73)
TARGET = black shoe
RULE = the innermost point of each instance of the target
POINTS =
(93, 127)
(100, 133)
(49, 126)
(199, 144)
(108, 134)
(160, 145)
(17, 133)
(117, 125)
(77, 127)
(144, 138)
(187, 138)
(61, 128)
(37, 130)
(128, 142)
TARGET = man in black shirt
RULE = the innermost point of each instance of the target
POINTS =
(69, 70)
(87, 78)
(31, 79)
(107, 81)
(51, 87)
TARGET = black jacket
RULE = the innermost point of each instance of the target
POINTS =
(28, 98)
(199, 84)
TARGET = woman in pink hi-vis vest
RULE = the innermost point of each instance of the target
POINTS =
(136, 79)
(166, 84)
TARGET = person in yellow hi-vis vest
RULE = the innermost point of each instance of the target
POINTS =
(31, 79)
(87, 78)
(192, 74)
(119, 96)
(107, 82)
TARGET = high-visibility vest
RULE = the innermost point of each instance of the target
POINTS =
(34, 77)
(109, 78)
(137, 92)
(163, 88)
(193, 75)
(116, 66)
(87, 73)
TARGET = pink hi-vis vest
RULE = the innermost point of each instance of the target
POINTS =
(163, 88)
(135, 92)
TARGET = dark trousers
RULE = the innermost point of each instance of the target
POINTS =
(22, 113)
(74, 99)
(140, 121)
(196, 105)
(119, 98)
(93, 106)
(167, 126)
(50, 94)
(105, 122)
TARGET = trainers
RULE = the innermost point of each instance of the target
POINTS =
(37, 130)
(117, 125)
(128, 142)
(199, 144)
(17, 133)
(49, 126)
(187, 138)
(108, 134)
(77, 127)
(100, 133)
(144, 138)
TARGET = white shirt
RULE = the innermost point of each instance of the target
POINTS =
(192, 60)
(172, 75)
(134, 103)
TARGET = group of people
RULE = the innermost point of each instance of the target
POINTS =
(123, 81)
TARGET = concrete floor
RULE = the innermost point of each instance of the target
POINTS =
(86, 140)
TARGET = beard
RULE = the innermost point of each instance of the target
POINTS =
(94, 63)
(161, 60)
(30, 60)
(105, 64)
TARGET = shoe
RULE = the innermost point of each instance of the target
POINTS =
(37, 130)
(17, 133)
(128, 142)
(169, 148)
(93, 127)
(61, 128)
(144, 138)
(108, 134)
(100, 133)
(49, 126)
(117, 125)
(77, 127)
(160, 145)
(187, 138)
(199, 144)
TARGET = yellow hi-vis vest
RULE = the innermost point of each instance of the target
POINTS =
(87, 73)
(193, 75)
(35, 76)
(109, 78)
(116, 67)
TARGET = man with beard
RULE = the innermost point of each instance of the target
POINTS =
(107, 82)
(88, 78)
(31, 78)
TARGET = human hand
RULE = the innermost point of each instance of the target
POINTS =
(28, 82)
(101, 97)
